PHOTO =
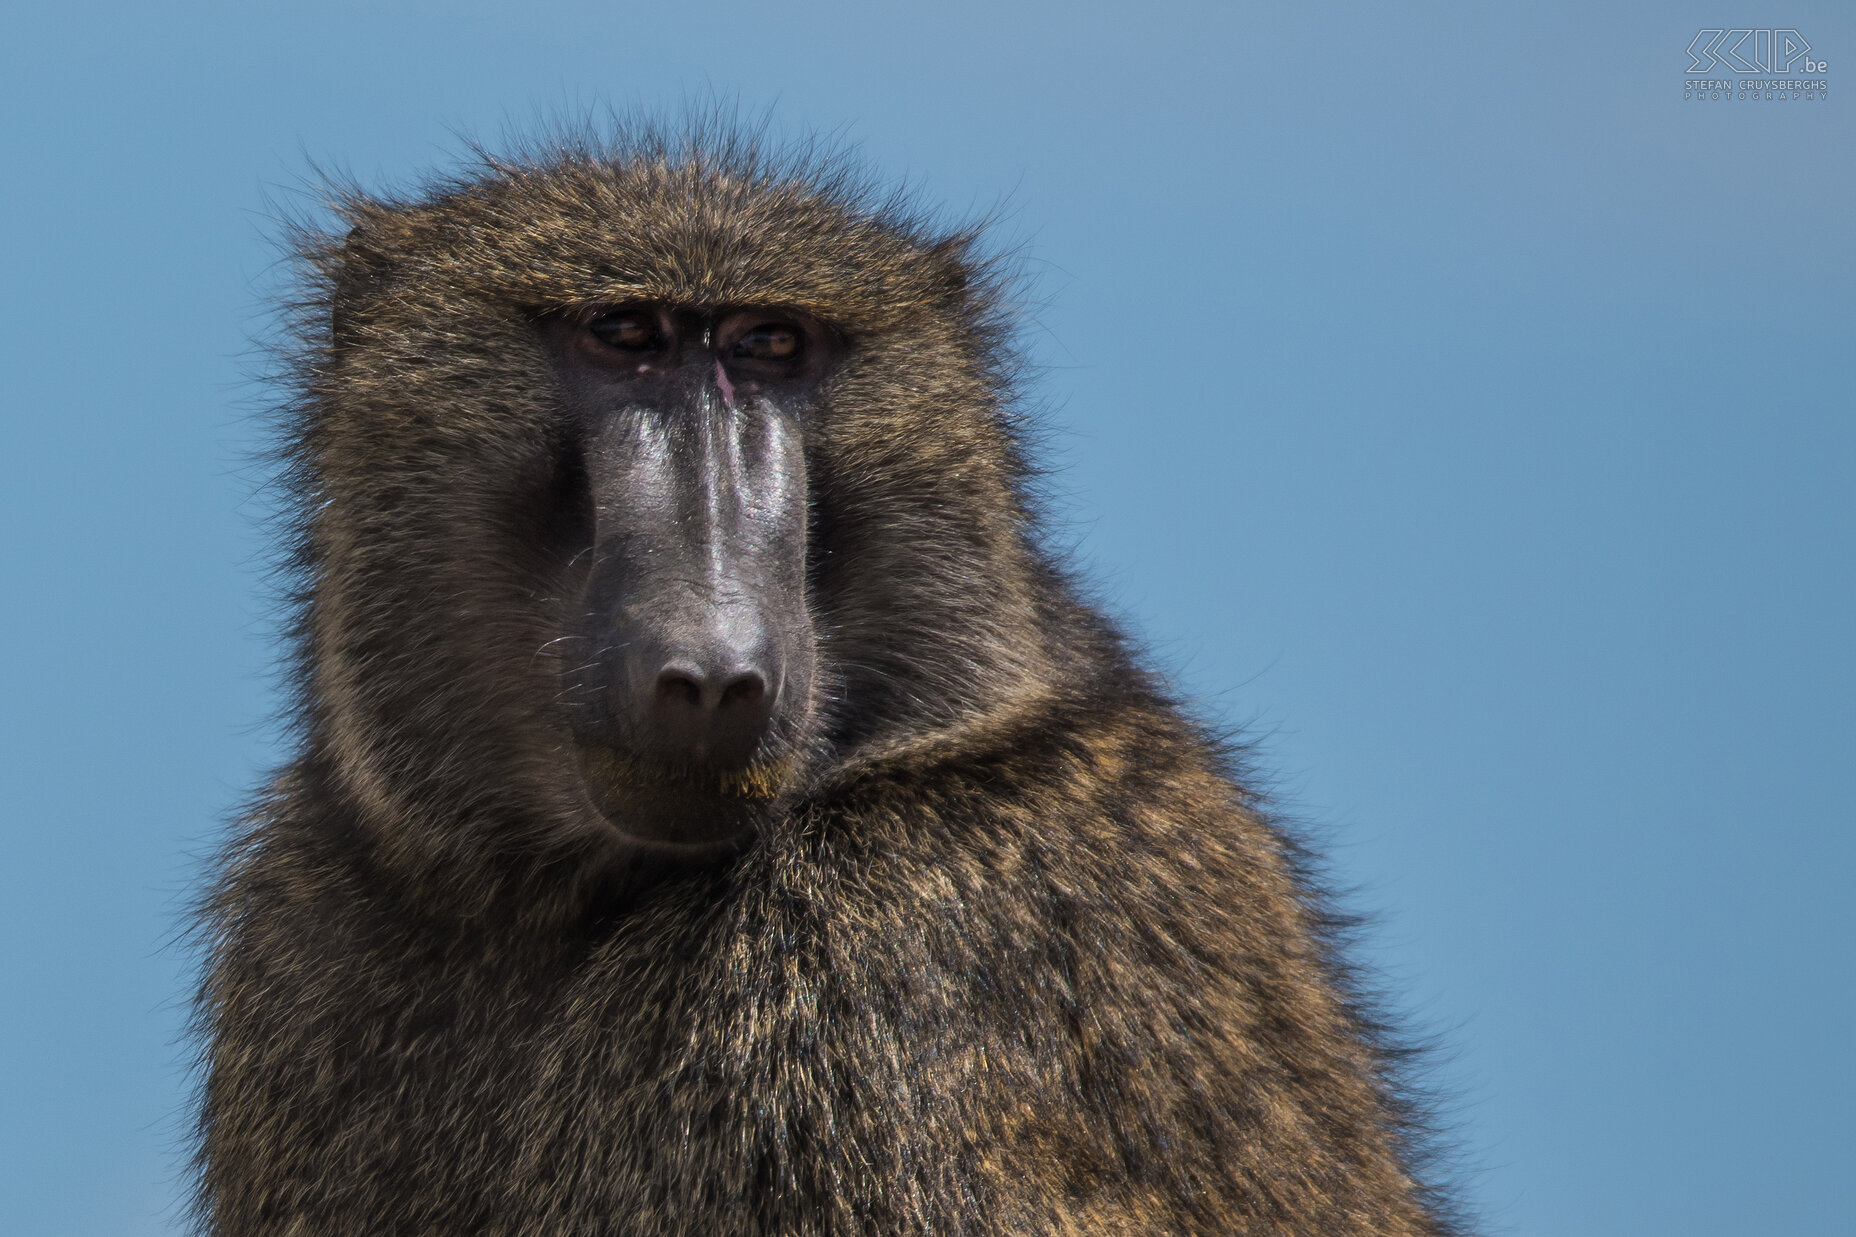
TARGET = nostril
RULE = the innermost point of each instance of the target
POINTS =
(715, 709)
(679, 686)
(744, 690)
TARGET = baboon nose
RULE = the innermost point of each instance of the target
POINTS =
(714, 709)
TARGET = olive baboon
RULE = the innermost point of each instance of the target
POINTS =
(715, 813)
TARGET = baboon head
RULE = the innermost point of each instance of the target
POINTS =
(650, 489)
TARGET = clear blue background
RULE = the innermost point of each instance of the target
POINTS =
(1440, 394)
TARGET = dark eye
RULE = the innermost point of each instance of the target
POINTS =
(772, 341)
(629, 330)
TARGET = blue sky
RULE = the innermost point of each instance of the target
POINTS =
(1441, 396)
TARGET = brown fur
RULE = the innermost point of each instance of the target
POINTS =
(1011, 953)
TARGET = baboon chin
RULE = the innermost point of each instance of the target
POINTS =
(716, 809)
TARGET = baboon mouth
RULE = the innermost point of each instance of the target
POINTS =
(681, 801)
(609, 771)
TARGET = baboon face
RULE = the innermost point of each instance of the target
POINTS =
(685, 505)
(642, 499)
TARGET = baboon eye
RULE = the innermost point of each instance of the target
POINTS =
(629, 330)
(771, 341)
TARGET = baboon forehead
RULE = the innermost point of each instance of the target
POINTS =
(588, 233)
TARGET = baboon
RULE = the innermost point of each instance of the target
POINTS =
(715, 809)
